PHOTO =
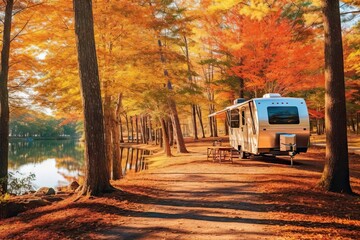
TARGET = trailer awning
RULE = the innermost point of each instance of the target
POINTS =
(218, 112)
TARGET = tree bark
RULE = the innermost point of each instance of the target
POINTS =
(181, 148)
(357, 122)
(193, 117)
(132, 129)
(137, 129)
(151, 139)
(118, 117)
(211, 126)
(116, 164)
(335, 176)
(161, 139)
(241, 87)
(4, 97)
(352, 122)
(171, 132)
(165, 137)
(127, 126)
(108, 130)
(142, 134)
(96, 170)
(198, 111)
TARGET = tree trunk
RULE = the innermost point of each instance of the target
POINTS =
(132, 129)
(357, 122)
(131, 158)
(96, 170)
(198, 111)
(145, 129)
(211, 126)
(127, 160)
(108, 130)
(151, 139)
(335, 176)
(156, 136)
(352, 122)
(174, 114)
(137, 128)
(215, 131)
(127, 127)
(181, 148)
(4, 97)
(241, 87)
(137, 160)
(193, 117)
(318, 130)
(161, 141)
(141, 120)
(118, 117)
(193, 106)
(120, 128)
(116, 164)
(165, 137)
(170, 132)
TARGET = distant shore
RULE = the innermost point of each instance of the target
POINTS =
(29, 139)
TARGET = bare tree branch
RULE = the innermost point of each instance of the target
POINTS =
(22, 29)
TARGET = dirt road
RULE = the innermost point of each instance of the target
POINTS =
(188, 197)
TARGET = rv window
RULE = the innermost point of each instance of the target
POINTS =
(235, 118)
(283, 115)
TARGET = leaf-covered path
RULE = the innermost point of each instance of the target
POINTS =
(188, 197)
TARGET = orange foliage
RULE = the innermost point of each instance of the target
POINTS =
(267, 56)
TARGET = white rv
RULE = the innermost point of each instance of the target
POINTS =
(269, 125)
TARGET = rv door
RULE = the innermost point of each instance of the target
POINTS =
(244, 130)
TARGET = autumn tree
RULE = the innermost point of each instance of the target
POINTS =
(352, 73)
(335, 176)
(162, 23)
(4, 96)
(97, 172)
(265, 54)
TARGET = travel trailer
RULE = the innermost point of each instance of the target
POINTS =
(269, 125)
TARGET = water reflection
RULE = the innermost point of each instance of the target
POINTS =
(58, 162)
(133, 159)
(54, 162)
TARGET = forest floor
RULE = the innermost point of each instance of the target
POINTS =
(190, 197)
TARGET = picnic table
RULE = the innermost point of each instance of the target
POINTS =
(220, 153)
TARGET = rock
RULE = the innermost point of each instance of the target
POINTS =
(11, 209)
(45, 191)
(34, 203)
(74, 185)
(17, 206)
(52, 198)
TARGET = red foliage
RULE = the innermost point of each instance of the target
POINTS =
(267, 55)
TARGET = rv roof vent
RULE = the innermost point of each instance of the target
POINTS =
(239, 100)
(271, 95)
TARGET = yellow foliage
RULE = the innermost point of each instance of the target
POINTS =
(219, 5)
(256, 9)
(312, 18)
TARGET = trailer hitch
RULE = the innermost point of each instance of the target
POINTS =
(292, 151)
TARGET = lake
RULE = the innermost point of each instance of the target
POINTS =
(54, 162)
(57, 163)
